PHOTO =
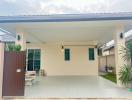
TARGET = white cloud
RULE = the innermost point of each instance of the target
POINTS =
(10, 1)
(18, 7)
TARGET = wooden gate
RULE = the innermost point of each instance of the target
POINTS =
(14, 73)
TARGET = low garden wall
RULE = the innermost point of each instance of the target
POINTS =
(108, 61)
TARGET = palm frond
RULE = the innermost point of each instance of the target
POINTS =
(125, 53)
(125, 74)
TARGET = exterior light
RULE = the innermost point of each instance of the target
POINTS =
(121, 35)
(28, 42)
(18, 37)
(62, 48)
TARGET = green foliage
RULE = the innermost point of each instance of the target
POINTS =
(125, 53)
(125, 74)
(17, 48)
(10, 47)
(129, 45)
(110, 76)
(13, 47)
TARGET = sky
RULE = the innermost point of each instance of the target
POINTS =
(44, 7)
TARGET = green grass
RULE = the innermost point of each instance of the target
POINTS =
(110, 76)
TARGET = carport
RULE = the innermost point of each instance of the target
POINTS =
(52, 33)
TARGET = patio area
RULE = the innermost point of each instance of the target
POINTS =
(75, 87)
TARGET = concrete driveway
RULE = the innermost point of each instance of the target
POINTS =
(75, 87)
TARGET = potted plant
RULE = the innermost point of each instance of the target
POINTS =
(125, 73)
(110, 69)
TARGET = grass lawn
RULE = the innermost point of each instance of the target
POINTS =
(110, 76)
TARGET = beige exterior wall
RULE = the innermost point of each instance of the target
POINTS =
(108, 52)
(112, 51)
(1, 67)
(22, 41)
(110, 61)
(105, 53)
(52, 60)
(102, 63)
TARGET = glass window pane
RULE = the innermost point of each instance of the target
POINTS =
(30, 54)
(36, 65)
(33, 59)
(30, 65)
(67, 54)
(37, 54)
(91, 53)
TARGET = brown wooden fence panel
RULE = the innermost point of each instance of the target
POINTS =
(14, 73)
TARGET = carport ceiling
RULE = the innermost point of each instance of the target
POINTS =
(79, 31)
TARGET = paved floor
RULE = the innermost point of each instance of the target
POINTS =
(75, 87)
(68, 99)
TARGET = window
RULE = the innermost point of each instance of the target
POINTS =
(67, 54)
(91, 53)
(33, 61)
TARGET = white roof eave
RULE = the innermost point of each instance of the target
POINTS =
(66, 17)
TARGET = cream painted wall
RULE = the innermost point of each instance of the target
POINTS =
(52, 60)
(22, 40)
(1, 67)
(110, 62)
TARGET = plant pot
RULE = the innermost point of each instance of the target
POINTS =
(110, 71)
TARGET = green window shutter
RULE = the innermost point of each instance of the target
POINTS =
(91, 54)
(67, 54)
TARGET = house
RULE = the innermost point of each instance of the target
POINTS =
(107, 57)
(67, 45)
(109, 50)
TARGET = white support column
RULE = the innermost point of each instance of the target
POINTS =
(21, 40)
(1, 67)
(119, 42)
